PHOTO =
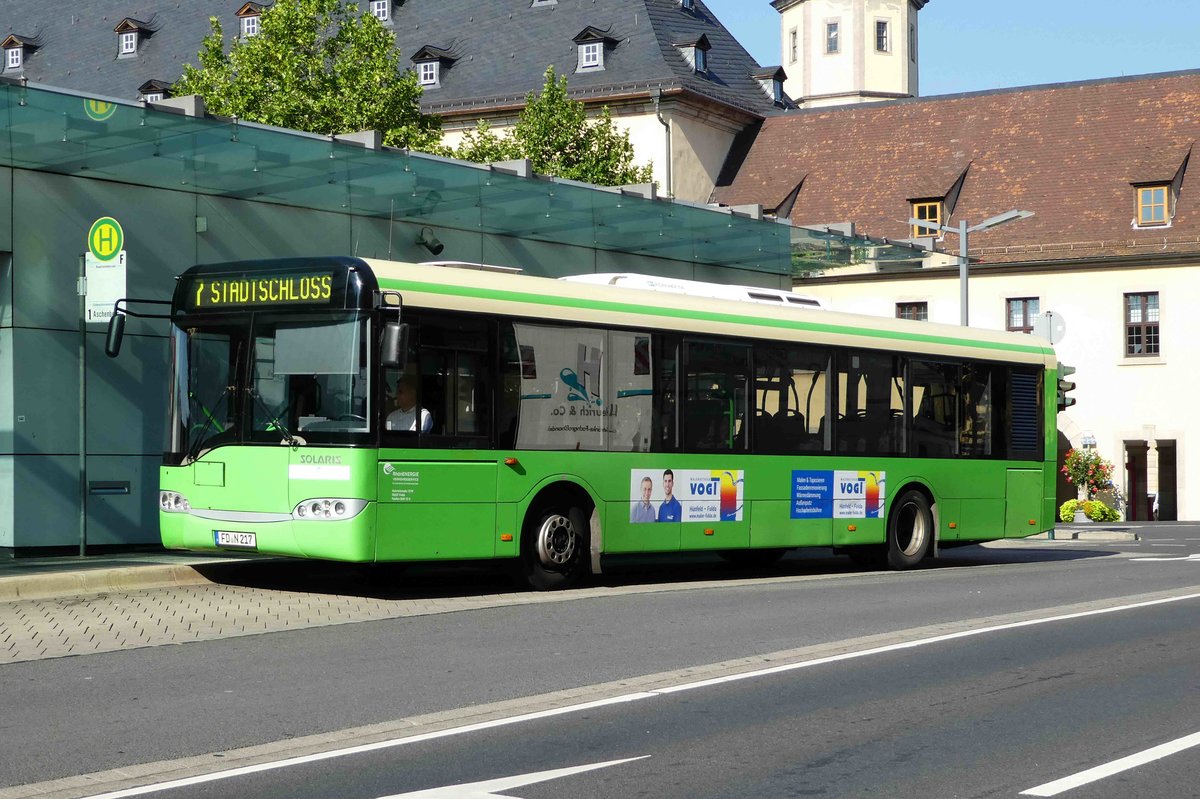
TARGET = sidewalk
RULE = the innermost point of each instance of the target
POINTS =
(70, 575)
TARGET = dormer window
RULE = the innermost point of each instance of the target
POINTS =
(695, 52)
(931, 211)
(249, 19)
(592, 44)
(428, 73)
(687, 5)
(16, 48)
(428, 63)
(154, 91)
(381, 10)
(771, 81)
(1152, 205)
(130, 33)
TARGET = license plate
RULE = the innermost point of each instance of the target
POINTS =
(228, 538)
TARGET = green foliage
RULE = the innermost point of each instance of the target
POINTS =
(1085, 468)
(321, 66)
(554, 133)
(1094, 509)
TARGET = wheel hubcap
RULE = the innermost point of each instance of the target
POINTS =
(911, 530)
(556, 541)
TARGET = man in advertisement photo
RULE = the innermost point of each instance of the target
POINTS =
(670, 510)
(643, 511)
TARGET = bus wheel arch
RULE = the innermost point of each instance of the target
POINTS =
(555, 535)
(911, 527)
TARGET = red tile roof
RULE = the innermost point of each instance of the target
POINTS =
(1068, 152)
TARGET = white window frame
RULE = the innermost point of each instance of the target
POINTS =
(887, 36)
(381, 10)
(13, 57)
(429, 73)
(833, 37)
(793, 45)
(153, 97)
(127, 43)
(249, 25)
(591, 55)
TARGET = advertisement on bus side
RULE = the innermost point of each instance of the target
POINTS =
(819, 494)
(685, 495)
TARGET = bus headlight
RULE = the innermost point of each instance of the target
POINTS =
(328, 509)
(173, 502)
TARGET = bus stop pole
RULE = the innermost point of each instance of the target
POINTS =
(82, 409)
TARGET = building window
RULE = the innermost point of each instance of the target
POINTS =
(912, 43)
(428, 73)
(381, 10)
(833, 43)
(128, 43)
(793, 46)
(918, 311)
(927, 211)
(701, 60)
(1020, 313)
(1152, 205)
(12, 58)
(1141, 324)
(883, 39)
(591, 55)
(152, 97)
(687, 5)
(249, 26)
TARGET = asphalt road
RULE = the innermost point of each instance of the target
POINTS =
(992, 710)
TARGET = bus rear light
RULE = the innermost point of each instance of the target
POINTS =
(328, 509)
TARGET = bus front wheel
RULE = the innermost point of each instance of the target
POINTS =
(554, 547)
(910, 530)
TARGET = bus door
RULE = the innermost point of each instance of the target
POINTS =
(437, 491)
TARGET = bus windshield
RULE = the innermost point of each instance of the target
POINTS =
(269, 377)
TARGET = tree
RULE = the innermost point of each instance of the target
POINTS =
(553, 132)
(321, 66)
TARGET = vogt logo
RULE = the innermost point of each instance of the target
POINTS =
(858, 495)
(705, 488)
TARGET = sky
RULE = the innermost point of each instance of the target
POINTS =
(974, 45)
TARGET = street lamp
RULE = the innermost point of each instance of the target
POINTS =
(963, 230)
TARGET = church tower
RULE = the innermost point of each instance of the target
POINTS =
(837, 52)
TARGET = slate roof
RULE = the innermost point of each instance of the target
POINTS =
(502, 47)
(1071, 153)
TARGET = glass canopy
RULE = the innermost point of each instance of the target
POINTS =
(67, 133)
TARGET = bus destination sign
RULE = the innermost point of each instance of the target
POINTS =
(237, 291)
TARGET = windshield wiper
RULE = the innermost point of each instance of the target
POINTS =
(209, 421)
(274, 421)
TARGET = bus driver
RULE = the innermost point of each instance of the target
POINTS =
(406, 413)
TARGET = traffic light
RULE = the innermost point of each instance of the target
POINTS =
(1064, 386)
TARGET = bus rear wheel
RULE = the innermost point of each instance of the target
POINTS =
(555, 547)
(910, 530)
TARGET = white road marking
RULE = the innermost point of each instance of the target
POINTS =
(1168, 545)
(488, 788)
(1162, 559)
(1115, 767)
(616, 700)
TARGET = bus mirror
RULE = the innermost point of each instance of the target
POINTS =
(116, 331)
(395, 345)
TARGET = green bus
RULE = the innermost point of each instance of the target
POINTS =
(370, 411)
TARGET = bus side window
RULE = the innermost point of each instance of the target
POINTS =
(454, 359)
